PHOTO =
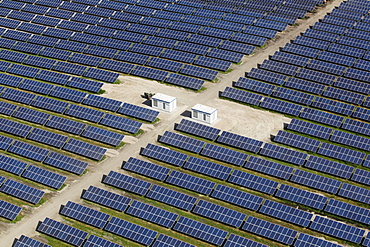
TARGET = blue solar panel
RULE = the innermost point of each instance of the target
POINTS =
(152, 214)
(361, 176)
(366, 241)
(43, 176)
(322, 117)
(138, 112)
(84, 113)
(237, 197)
(182, 142)
(270, 230)
(66, 163)
(242, 96)
(147, 169)
(290, 58)
(282, 153)
(337, 229)
(185, 81)
(253, 85)
(106, 198)
(190, 182)
(286, 213)
(267, 76)
(342, 153)
(85, 149)
(330, 167)
(238, 141)
(282, 68)
(97, 241)
(301, 196)
(53, 77)
(18, 96)
(219, 213)
(9, 211)
(12, 165)
(199, 72)
(22, 191)
(269, 167)
(348, 211)
(167, 241)
(198, 129)
(350, 140)
(164, 154)
(102, 135)
(354, 192)
(66, 125)
(125, 182)
(31, 115)
(356, 126)
(101, 75)
(6, 108)
(310, 129)
(344, 95)
(35, 86)
(14, 128)
(102, 102)
(200, 230)
(237, 241)
(121, 123)
(68, 94)
(62, 231)
(297, 141)
(281, 106)
(47, 137)
(85, 214)
(28, 151)
(131, 231)
(333, 106)
(294, 96)
(305, 240)
(224, 154)
(5, 142)
(84, 84)
(208, 168)
(254, 182)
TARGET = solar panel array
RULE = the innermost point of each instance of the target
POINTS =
(164, 154)
(198, 129)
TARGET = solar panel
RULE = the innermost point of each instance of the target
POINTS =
(152, 214)
(290, 58)
(85, 214)
(18, 96)
(167, 241)
(12, 165)
(286, 213)
(106, 198)
(125, 182)
(253, 182)
(25, 241)
(355, 193)
(341, 153)
(293, 95)
(8, 210)
(68, 94)
(182, 142)
(52, 77)
(237, 197)
(253, 85)
(121, 123)
(198, 129)
(224, 154)
(281, 106)
(43, 176)
(131, 231)
(84, 113)
(102, 135)
(97, 241)
(361, 176)
(35, 86)
(239, 141)
(282, 68)
(14, 128)
(267, 76)
(185, 81)
(219, 213)
(348, 211)
(62, 231)
(28, 151)
(321, 117)
(305, 240)
(200, 230)
(282, 153)
(297, 141)
(350, 140)
(269, 167)
(237, 241)
(85, 149)
(66, 163)
(84, 84)
(66, 125)
(171, 197)
(208, 168)
(101, 75)
(301, 196)
(138, 112)
(147, 169)
(102, 102)
(356, 126)
(199, 72)
(22, 191)
(242, 96)
(337, 229)
(190, 182)
(333, 106)
(5, 142)
(164, 154)
(31, 115)
(6, 108)
(47, 137)
(310, 129)
(270, 230)
(366, 241)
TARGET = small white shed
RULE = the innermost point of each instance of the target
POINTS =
(164, 102)
(204, 113)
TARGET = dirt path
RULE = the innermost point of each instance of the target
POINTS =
(233, 117)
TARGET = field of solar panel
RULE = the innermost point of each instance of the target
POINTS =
(85, 160)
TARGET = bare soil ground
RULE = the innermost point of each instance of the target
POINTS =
(233, 117)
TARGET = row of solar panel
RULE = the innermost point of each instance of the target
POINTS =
(76, 96)
(297, 110)
(142, 188)
(77, 111)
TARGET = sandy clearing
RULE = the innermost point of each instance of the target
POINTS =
(234, 117)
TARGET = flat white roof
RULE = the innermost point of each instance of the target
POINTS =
(204, 108)
(163, 97)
